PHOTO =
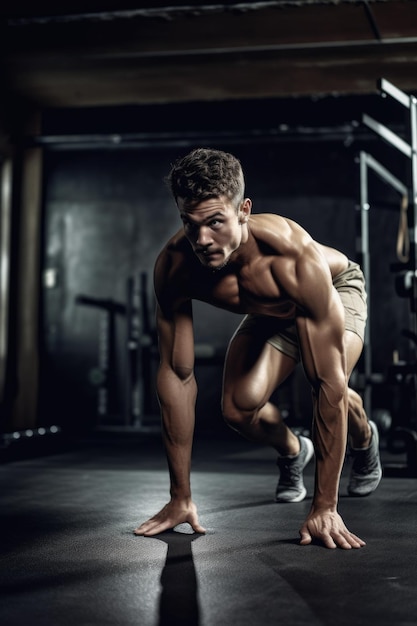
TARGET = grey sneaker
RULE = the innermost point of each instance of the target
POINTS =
(290, 486)
(366, 471)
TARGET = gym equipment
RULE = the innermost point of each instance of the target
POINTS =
(102, 376)
(138, 355)
(140, 348)
(403, 376)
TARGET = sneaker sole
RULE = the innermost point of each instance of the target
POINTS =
(357, 494)
(298, 498)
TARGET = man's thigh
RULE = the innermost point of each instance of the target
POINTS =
(254, 368)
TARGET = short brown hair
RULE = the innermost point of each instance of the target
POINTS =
(205, 173)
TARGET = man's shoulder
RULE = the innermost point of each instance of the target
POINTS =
(281, 234)
(174, 262)
(268, 220)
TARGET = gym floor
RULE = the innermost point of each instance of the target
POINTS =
(69, 556)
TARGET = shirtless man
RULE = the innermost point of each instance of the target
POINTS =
(303, 301)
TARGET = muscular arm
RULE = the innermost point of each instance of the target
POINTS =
(176, 387)
(177, 390)
(321, 332)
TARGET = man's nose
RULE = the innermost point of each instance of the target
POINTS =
(204, 236)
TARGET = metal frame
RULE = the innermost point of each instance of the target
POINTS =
(409, 149)
(5, 251)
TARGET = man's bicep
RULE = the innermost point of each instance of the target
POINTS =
(322, 343)
(176, 338)
(314, 284)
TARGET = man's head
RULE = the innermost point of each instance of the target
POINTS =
(208, 187)
(203, 174)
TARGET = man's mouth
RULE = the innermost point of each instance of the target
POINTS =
(207, 253)
(207, 257)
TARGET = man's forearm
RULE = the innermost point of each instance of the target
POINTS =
(329, 435)
(177, 399)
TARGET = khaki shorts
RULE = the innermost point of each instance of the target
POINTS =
(282, 333)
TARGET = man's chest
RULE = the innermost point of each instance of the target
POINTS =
(249, 290)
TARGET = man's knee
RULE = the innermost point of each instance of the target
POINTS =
(231, 415)
(235, 416)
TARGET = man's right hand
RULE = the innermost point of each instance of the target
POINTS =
(174, 513)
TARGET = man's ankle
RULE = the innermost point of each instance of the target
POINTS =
(291, 450)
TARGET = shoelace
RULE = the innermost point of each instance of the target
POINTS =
(364, 461)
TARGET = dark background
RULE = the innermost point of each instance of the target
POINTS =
(98, 99)
(107, 213)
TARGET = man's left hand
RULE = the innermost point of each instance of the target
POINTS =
(328, 527)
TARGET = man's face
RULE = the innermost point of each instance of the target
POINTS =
(214, 228)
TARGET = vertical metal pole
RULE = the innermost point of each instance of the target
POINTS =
(134, 400)
(5, 230)
(365, 263)
(103, 365)
(412, 220)
(413, 207)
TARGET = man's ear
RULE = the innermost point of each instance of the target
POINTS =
(244, 210)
